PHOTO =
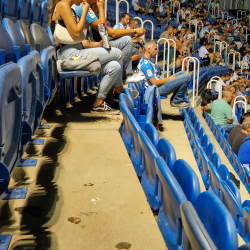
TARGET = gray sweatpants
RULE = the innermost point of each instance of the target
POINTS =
(111, 62)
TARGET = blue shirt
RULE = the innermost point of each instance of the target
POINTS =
(120, 26)
(244, 152)
(205, 28)
(149, 70)
(90, 18)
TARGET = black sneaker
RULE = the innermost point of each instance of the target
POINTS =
(104, 109)
(115, 97)
(179, 105)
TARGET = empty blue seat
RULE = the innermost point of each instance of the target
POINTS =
(167, 152)
(152, 134)
(25, 14)
(126, 132)
(36, 11)
(210, 151)
(216, 160)
(170, 197)
(197, 236)
(215, 179)
(205, 142)
(1, 10)
(45, 14)
(246, 224)
(187, 179)
(217, 221)
(12, 9)
(224, 173)
(136, 154)
(11, 107)
(149, 180)
(231, 202)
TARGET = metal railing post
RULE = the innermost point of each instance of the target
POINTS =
(117, 8)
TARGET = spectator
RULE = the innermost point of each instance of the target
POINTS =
(120, 38)
(221, 81)
(207, 97)
(244, 153)
(138, 7)
(159, 19)
(111, 61)
(221, 112)
(206, 28)
(238, 134)
(245, 58)
(183, 23)
(148, 7)
(176, 84)
(204, 54)
(244, 48)
(235, 75)
(204, 39)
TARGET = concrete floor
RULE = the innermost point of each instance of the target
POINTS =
(83, 193)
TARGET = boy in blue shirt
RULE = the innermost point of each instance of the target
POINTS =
(176, 84)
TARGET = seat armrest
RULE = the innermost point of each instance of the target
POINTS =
(17, 52)
(38, 47)
(28, 48)
(2, 57)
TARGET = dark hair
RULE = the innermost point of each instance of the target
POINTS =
(231, 71)
(237, 68)
(155, 8)
(175, 28)
(183, 20)
(178, 32)
(227, 74)
(206, 44)
(124, 15)
(244, 116)
(248, 70)
(206, 97)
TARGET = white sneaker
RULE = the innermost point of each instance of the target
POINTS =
(134, 78)
(221, 64)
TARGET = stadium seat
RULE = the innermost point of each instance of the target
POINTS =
(126, 132)
(1, 10)
(136, 154)
(217, 221)
(25, 14)
(24, 30)
(36, 11)
(152, 133)
(216, 160)
(11, 107)
(232, 204)
(224, 173)
(45, 14)
(210, 151)
(197, 236)
(12, 9)
(149, 179)
(167, 152)
(187, 179)
(170, 197)
(215, 179)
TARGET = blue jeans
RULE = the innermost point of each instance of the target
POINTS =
(111, 64)
(228, 127)
(125, 45)
(178, 86)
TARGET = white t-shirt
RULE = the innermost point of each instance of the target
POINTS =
(197, 6)
(234, 77)
(245, 59)
(203, 52)
(216, 87)
(189, 36)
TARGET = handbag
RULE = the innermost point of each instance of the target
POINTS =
(61, 34)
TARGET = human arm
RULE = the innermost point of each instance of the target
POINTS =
(160, 82)
(64, 13)
(100, 5)
(89, 44)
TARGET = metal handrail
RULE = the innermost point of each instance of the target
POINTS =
(117, 8)
(242, 102)
(164, 54)
(195, 83)
(220, 86)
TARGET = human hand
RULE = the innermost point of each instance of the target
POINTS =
(85, 7)
(101, 44)
(171, 77)
(100, 4)
(140, 31)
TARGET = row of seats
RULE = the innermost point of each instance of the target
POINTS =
(221, 136)
(215, 175)
(28, 11)
(172, 187)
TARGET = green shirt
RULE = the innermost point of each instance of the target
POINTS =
(221, 111)
(213, 4)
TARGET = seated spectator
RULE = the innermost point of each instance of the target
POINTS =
(217, 57)
(148, 8)
(137, 41)
(206, 28)
(207, 97)
(245, 73)
(244, 48)
(238, 35)
(159, 19)
(204, 39)
(238, 134)
(163, 8)
(204, 54)
(244, 153)
(124, 24)
(183, 23)
(221, 81)
(245, 58)
(199, 5)
(235, 75)
(120, 37)
(176, 84)
(139, 7)
(221, 112)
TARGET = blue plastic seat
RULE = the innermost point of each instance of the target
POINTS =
(36, 11)
(232, 204)
(205, 142)
(224, 173)
(217, 221)
(136, 154)
(1, 10)
(187, 179)
(126, 132)
(11, 107)
(25, 14)
(45, 14)
(210, 151)
(167, 152)
(12, 9)
(216, 160)
(152, 134)
(170, 197)
(246, 224)
(149, 180)
(197, 236)
(215, 180)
